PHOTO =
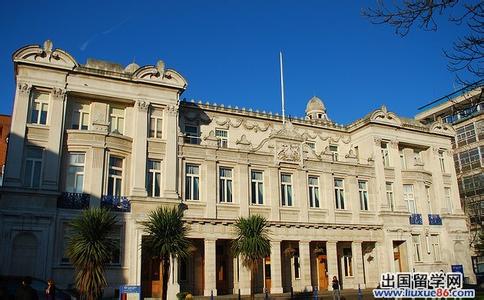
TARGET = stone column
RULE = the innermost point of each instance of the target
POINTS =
(16, 140)
(332, 258)
(210, 268)
(170, 170)
(357, 264)
(53, 151)
(139, 154)
(305, 265)
(244, 278)
(276, 270)
(173, 285)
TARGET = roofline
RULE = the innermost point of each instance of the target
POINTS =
(455, 94)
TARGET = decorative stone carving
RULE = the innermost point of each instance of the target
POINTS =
(171, 110)
(46, 55)
(382, 115)
(254, 126)
(289, 152)
(442, 128)
(377, 141)
(211, 139)
(243, 143)
(24, 88)
(142, 105)
(394, 144)
(58, 94)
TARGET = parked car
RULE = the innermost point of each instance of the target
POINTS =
(10, 284)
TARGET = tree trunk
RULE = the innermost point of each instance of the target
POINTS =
(165, 277)
(252, 280)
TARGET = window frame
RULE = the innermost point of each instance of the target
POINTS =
(190, 196)
(33, 161)
(385, 154)
(35, 99)
(442, 161)
(428, 197)
(362, 192)
(408, 199)
(435, 245)
(390, 195)
(223, 181)
(117, 118)
(255, 194)
(157, 133)
(347, 262)
(314, 193)
(448, 199)
(189, 137)
(114, 177)
(334, 152)
(75, 174)
(78, 107)
(287, 193)
(152, 172)
(339, 194)
(417, 247)
(222, 141)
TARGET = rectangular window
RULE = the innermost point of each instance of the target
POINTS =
(385, 155)
(225, 185)
(466, 135)
(80, 116)
(192, 182)
(297, 265)
(429, 199)
(448, 199)
(403, 163)
(417, 248)
(192, 135)
(434, 239)
(363, 191)
(389, 190)
(223, 138)
(409, 197)
(75, 173)
(334, 152)
(39, 108)
(257, 187)
(339, 193)
(156, 126)
(153, 180)
(66, 233)
(116, 120)
(470, 159)
(347, 262)
(286, 189)
(442, 161)
(33, 167)
(115, 176)
(313, 183)
(115, 236)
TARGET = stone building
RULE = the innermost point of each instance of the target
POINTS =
(352, 201)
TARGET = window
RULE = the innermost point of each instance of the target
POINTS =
(39, 108)
(408, 196)
(334, 152)
(225, 185)
(417, 248)
(339, 193)
(115, 236)
(223, 138)
(33, 167)
(116, 120)
(442, 161)
(286, 189)
(466, 135)
(417, 157)
(80, 116)
(153, 180)
(311, 145)
(192, 182)
(403, 163)
(192, 136)
(347, 262)
(385, 154)
(434, 239)
(156, 125)
(257, 187)
(313, 183)
(297, 264)
(363, 191)
(472, 185)
(470, 159)
(429, 199)
(115, 176)
(66, 232)
(448, 199)
(389, 190)
(75, 173)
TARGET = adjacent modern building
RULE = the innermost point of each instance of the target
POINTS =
(377, 195)
(464, 109)
(4, 132)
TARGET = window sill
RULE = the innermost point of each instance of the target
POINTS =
(343, 211)
(228, 204)
(34, 125)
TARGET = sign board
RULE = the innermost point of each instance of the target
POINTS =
(130, 292)
(458, 269)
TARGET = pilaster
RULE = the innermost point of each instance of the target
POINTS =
(170, 170)
(400, 205)
(140, 125)
(243, 186)
(210, 268)
(305, 265)
(332, 258)
(244, 278)
(276, 270)
(358, 263)
(274, 192)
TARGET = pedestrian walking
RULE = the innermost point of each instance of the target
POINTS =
(336, 291)
(50, 290)
(25, 291)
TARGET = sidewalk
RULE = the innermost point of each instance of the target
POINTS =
(345, 295)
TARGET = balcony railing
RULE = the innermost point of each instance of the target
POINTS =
(116, 203)
(435, 219)
(73, 201)
(416, 219)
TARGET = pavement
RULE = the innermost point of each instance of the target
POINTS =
(345, 295)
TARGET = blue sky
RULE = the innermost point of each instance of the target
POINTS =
(228, 50)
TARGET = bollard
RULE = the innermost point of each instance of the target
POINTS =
(239, 295)
(360, 295)
(315, 293)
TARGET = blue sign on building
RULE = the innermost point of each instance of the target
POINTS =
(130, 292)
(458, 269)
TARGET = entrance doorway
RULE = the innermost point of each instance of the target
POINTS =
(225, 268)
(322, 264)
(151, 277)
(400, 256)
(24, 255)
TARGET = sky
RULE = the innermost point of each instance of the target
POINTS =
(228, 51)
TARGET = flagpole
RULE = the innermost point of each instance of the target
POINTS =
(282, 89)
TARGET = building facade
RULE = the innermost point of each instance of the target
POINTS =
(4, 132)
(464, 110)
(377, 195)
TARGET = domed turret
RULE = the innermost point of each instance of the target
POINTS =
(315, 109)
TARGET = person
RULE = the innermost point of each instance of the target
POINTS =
(335, 285)
(25, 291)
(50, 290)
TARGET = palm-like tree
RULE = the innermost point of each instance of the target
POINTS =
(90, 248)
(252, 243)
(166, 239)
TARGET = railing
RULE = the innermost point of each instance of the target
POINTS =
(73, 201)
(416, 219)
(435, 219)
(116, 203)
